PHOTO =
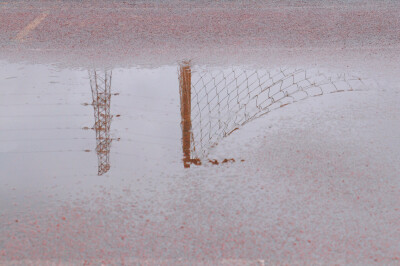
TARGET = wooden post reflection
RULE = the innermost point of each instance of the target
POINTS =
(185, 75)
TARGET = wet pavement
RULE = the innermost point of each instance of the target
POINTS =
(130, 33)
(209, 133)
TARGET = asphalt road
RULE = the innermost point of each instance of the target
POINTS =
(134, 32)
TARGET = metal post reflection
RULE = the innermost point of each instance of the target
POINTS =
(100, 83)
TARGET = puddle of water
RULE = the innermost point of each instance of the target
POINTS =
(73, 134)
(122, 121)
(72, 130)
(136, 144)
(77, 120)
(63, 128)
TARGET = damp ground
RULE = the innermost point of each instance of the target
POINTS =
(205, 149)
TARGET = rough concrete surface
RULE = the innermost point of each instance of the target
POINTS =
(315, 182)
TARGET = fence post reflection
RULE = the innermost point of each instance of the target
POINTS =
(100, 83)
(185, 99)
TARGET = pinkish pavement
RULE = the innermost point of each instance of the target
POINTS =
(220, 217)
(142, 32)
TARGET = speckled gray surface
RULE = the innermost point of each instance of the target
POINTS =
(319, 180)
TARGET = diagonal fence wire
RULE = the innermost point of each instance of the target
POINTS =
(224, 100)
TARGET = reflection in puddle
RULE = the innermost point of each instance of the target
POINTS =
(185, 86)
(216, 102)
(167, 120)
(100, 83)
(169, 117)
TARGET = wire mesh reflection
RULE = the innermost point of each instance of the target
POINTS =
(218, 102)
